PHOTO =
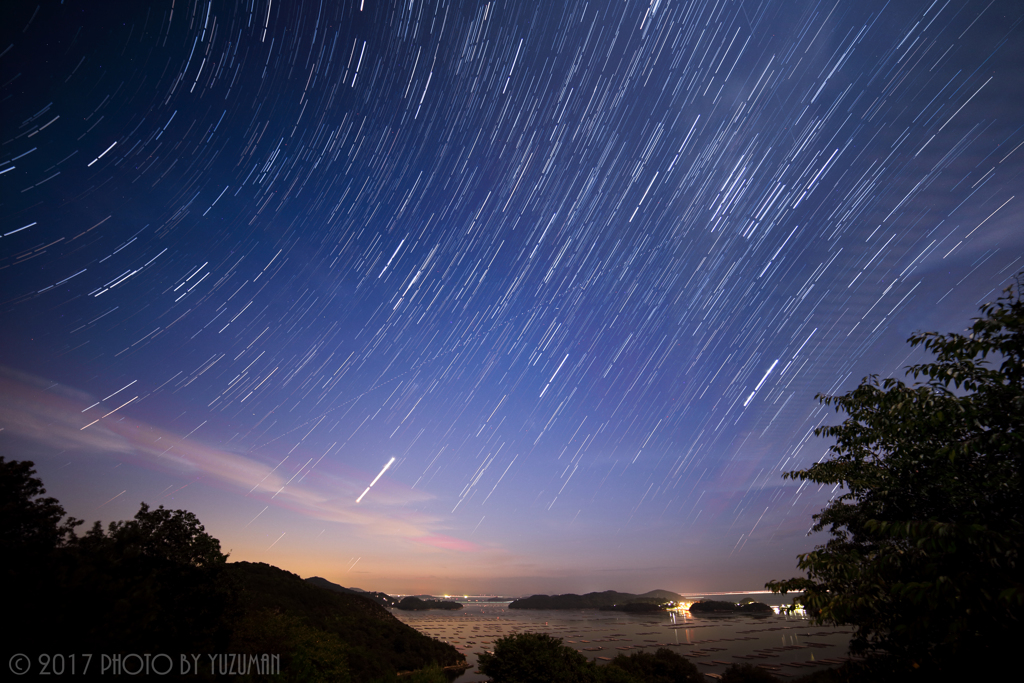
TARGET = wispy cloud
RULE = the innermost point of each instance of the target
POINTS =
(448, 543)
(51, 415)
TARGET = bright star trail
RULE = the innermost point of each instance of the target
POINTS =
(379, 475)
(576, 271)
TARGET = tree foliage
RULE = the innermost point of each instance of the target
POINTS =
(541, 658)
(927, 532)
(172, 535)
(662, 666)
(535, 658)
(149, 581)
(747, 673)
(29, 523)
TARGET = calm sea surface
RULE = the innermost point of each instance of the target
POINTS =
(788, 645)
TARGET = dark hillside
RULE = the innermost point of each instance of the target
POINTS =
(375, 643)
(382, 599)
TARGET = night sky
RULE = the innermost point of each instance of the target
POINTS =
(576, 271)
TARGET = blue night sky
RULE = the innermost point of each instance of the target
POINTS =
(576, 271)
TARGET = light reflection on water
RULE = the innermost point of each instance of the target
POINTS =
(712, 642)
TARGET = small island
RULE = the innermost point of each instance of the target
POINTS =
(605, 599)
(413, 603)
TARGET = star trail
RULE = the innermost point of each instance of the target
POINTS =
(570, 273)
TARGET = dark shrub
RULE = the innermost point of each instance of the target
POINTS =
(536, 658)
(664, 666)
(747, 673)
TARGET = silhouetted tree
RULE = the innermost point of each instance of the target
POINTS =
(172, 535)
(746, 673)
(31, 533)
(148, 584)
(927, 534)
(29, 523)
(535, 658)
(663, 666)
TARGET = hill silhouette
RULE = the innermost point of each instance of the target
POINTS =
(374, 641)
(382, 599)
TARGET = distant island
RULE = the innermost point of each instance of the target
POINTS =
(602, 600)
(747, 606)
(413, 603)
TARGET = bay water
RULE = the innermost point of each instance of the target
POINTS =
(788, 645)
